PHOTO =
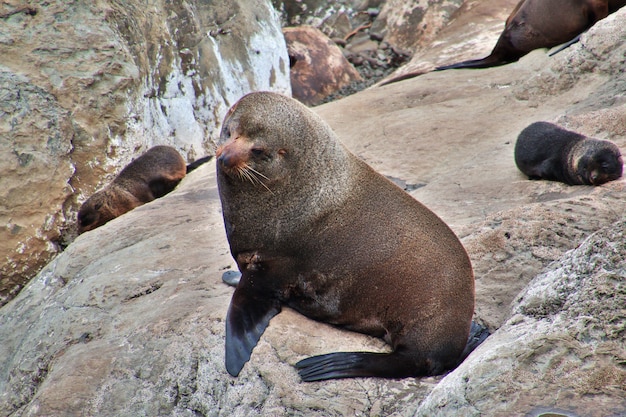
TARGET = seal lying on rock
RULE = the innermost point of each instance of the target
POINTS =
(535, 24)
(313, 227)
(152, 175)
(546, 151)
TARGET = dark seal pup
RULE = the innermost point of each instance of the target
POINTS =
(152, 175)
(314, 228)
(535, 24)
(546, 151)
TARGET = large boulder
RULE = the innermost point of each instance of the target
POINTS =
(129, 320)
(86, 87)
(318, 68)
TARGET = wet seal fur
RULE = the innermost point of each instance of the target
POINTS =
(535, 24)
(546, 151)
(154, 174)
(314, 228)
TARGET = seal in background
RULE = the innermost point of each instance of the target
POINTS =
(546, 151)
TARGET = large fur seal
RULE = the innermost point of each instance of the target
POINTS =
(314, 228)
(535, 24)
(546, 151)
(152, 175)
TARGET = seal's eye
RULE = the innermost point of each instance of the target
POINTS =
(257, 151)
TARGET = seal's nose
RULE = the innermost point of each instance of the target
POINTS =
(233, 154)
(225, 160)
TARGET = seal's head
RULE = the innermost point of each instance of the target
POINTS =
(94, 212)
(104, 206)
(270, 141)
(602, 162)
(247, 156)
(276, 157)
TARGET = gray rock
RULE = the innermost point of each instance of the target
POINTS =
(562, 348)
(86, 88)
(409, 24)
(315, 12)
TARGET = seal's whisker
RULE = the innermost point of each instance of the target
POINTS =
(255, 176)
(244, 174)
(241, 173)
(251, 177)
(257, 172)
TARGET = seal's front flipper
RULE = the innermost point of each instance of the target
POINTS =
(247, 318)
(358, 364)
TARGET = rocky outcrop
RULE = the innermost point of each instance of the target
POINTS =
(129, 320)
(561, 350)
(86, 88)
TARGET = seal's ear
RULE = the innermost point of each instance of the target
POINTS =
(247, 318)
(229, 113)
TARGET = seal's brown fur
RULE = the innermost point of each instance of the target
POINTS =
(152, 175)
(314, 228)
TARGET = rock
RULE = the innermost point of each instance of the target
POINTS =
(337, 26)
(348, 24)
(561, 349)
(86, 88)
(409, 24)
(315, 12)
(318, 68)
(147, 338)
(35, 167)
(362, 43)
(129, 319)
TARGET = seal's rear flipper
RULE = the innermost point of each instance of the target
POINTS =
(488, 62)
(247, 319)
(195, 164)
(357, 364)
(478, 334)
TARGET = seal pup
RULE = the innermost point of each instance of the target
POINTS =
(535, 24)
(546, 151)
(154, 174)
(314, 228)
